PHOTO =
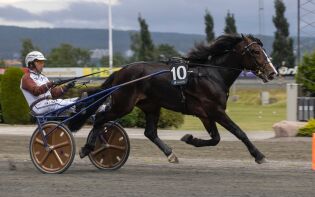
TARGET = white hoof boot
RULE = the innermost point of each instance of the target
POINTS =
(172, 158)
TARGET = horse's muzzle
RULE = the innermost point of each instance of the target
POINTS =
(272, 76)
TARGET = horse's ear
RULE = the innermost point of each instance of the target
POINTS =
(243, 37)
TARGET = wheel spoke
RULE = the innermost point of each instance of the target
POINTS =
(39, 141)
(58, 157)
(117, 147)
(111, 137)
(98, 150)
(103, 139)
(61, 145)
(44, 158)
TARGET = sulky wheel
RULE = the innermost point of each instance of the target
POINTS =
(59, 154)
(112, 147)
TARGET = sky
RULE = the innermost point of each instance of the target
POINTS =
(182, 16)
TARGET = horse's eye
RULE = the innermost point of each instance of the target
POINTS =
(256, 52)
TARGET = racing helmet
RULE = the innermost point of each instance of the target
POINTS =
(32, 56)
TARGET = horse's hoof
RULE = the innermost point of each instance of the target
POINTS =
(261, 161)
(172, 158)
(82, 153)
(187, 138)
(85, 150)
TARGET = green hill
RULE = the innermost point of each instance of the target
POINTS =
(48, 38)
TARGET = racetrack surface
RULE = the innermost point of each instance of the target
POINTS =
(224, 170)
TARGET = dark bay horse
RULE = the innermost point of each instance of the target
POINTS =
(213, 69)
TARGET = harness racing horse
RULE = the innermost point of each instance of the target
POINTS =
(212, 71)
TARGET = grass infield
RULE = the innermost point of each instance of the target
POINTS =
(247, 111)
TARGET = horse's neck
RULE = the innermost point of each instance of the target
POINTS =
(229, 76)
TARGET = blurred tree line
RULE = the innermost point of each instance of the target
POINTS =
(230, 26)
(2, 64)
(282, 53)
(306, 74)
(63, 56)
(143, 48)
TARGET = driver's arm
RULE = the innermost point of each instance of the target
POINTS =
(60, 90)
(29, 85)
(57, 92)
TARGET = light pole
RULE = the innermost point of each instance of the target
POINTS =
(110, 40)
(298, 49)
(261, 17)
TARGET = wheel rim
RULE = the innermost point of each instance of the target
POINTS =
(111, 148)
(59, 152)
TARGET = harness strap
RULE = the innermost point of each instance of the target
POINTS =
(182, 94)
(197, 72)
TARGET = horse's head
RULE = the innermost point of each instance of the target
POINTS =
(255, 59)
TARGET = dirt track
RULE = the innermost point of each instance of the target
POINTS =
(225, 170)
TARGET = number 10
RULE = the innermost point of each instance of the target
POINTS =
(179, 72)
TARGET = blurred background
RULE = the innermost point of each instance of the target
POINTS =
(84, 36)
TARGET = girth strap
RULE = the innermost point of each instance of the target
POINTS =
(182, 94)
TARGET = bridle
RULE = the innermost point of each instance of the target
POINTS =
(247, 50)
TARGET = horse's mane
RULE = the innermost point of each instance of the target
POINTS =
(219, 46)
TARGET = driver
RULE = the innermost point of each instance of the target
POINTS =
(37, 88)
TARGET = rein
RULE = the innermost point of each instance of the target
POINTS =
(246, 50)
(213, 66)
(60, 82)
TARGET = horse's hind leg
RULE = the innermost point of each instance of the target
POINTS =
(211, 129)
(100, 119)
(151, 133)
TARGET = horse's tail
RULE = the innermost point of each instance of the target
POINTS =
(109, 81)
(106, 84)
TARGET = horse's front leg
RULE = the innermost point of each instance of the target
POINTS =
(211, 129)
(151, 133)
(224, 120)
